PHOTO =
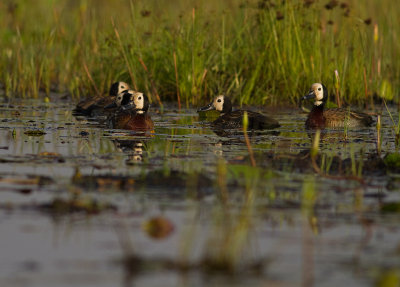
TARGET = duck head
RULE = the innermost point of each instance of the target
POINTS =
(117, 88)
(123, 99)
(141, 102)
(318, 92)
(220, 103)
(137, 101)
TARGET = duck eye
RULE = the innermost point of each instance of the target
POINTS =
(219, 100)
(319, 89)
(140, 98)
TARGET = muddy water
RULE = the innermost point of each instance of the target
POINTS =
(278, 223)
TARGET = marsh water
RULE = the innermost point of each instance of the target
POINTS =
(280, 223)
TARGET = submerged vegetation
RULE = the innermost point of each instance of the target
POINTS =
(257, 51)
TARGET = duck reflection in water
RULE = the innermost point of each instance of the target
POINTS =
(135, 149)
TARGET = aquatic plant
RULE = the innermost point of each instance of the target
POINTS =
(395, 127)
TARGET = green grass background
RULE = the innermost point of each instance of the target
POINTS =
(257, 52)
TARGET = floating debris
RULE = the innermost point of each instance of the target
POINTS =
(173, 181)
(35, 133)
(16, 114)
(49, 154)
(134, 264)
(60, 206)
(84, 133)
(158, 227)
(105, 181)
(391, 207)
(38, 180)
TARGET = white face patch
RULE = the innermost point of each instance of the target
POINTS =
(122, 87)
(318, 91)
(219, 103)
(138, 100)
(138, 158)
(138, 150)
(317, 103)
(119, 99)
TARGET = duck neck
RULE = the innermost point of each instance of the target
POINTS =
(317, 114)
(140, 112)
(136, 111)
(318, 106)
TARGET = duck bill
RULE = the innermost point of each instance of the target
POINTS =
(111, 106)
(130, 106)
(209, 107)
(310, 95)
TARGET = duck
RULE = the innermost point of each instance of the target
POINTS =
(319, 117)
(229, 119)
(95, 105)
(132, 112)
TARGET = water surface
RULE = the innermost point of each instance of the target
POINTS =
(279, 223)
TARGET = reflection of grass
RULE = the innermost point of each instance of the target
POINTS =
(232, 228)
(396, 128)
(257, 52)
(226, 249)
